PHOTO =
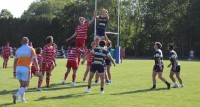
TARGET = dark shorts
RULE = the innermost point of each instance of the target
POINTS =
(108, 62)
(101, 32)
(157, 68)
(97, 67)
(178, 69)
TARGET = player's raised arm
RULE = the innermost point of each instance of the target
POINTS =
(73, 36)
(94, 16)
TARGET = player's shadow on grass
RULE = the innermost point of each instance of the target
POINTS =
(6, 104)
(67, 86)
(4, 92)
(139, 91)
(61, 97)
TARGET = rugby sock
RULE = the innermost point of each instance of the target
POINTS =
(39, 83)
(166, 83)
(96, 81)
(154, 86)
(47, 81)
(89, 86)
(73, 77)
(20, 91)
(101, 89)
(66, 74)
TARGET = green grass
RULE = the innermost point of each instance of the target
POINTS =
(130, 88)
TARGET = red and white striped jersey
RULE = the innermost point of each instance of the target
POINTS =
(91, 56)
(73, 53)
(82, 30)
(7, 50)
(49, 53)
(39, 57)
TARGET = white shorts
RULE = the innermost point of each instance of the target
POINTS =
(23, 73)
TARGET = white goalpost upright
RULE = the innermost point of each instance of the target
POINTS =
(117, 49)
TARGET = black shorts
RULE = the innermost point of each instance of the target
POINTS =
(178, 69)
(157, 68)
(101, 32)
(108, 62)
(97, 67)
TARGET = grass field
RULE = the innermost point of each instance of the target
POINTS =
(130, 88)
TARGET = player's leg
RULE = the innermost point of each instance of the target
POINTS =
(66, 75)
(73, 77)
(86, 73)
(23, 75)
(171, 75)
(96, 78)
(108, 73)
(163, 79)
(154, 73)
(90, 81)
(102, 82)
(178, 76)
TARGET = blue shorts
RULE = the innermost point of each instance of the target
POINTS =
(97, 67)
(157, 68)
(23, 73)
(178, 69)
(101, 32)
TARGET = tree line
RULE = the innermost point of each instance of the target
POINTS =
(142, 23)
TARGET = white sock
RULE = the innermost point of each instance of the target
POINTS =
(22, 97)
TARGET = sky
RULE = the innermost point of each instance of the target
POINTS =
(16, 7)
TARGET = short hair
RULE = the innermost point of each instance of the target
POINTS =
(102, 43)
(49, 39)
(105, 10)
(38, 50)
(158, 44)
(171, 47)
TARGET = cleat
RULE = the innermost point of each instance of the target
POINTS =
(101, 92)
(168, 86)
(63, 82)
(95, 84)
(182, 85)
(87, 91)
(73, 83)
(39, 89)
(14, 99)
(175, 86)
(153, 88)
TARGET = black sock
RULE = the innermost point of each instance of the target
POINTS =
(166, 82)
(154, 86)
(107, 81)
(101, 89)
(89, 86)
(96, 81)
